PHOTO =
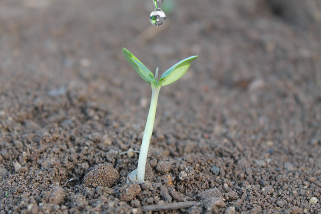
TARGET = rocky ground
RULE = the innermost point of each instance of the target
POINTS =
(239, 133)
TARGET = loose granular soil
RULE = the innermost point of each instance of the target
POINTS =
(239, 133)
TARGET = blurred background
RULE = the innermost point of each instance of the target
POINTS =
(252, 53)
(51, 48)
(237, 40)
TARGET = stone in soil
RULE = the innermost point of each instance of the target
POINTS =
(215, 170)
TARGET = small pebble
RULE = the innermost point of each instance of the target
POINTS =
(17, 166)
(313, 201)
(257, 85)
(106, 141)
(134, 211)
(215, 170)
(280, 203)
(130, 153)
(312, 179)
(270, 143)
(153, 162)
(182, 175)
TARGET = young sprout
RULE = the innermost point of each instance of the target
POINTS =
(168, 77)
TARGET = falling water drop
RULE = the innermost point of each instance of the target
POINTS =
(157, 17)
(158, 3)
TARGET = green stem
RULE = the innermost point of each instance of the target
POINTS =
(147, 135)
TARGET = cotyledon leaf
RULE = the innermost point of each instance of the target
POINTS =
(139, 67)
(176, 71)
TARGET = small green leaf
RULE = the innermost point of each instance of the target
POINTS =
(139, 67)
(176, 71)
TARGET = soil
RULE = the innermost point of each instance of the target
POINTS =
(239, 133)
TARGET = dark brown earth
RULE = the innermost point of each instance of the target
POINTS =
(239, 133)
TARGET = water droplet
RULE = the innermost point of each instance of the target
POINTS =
(157, 17)
(158, 3)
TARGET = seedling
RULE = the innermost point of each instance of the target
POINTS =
(168, 77)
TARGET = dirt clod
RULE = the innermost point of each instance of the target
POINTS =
(56, 196)
(3, 173)
(102, 175)
(101, 190)
(165, 194)
(79, 201)
(163, 167)
(129, 192)
(214, 203)
(210, 193)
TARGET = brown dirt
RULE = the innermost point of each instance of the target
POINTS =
(240, 132)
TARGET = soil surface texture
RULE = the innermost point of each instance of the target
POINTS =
(239, 133)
